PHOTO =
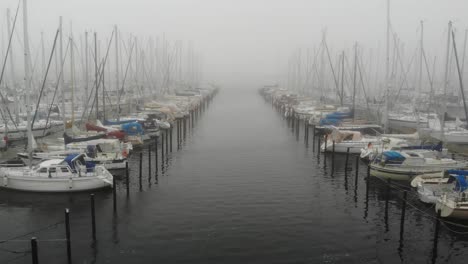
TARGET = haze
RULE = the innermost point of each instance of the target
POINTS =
(252, 37)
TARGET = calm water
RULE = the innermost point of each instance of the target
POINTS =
(243, 189)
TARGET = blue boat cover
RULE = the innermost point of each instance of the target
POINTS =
(393, 155)
(437, 147)
(460, 182)
(132, 129)
(90, 166)
(330, 121)
(69, 159)
(339, 115)
(110, 123)
(457, 172)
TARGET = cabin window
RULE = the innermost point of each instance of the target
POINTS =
(52, 170)
(43, 170)
(64, 169)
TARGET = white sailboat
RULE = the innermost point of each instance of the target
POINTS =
(57, 175)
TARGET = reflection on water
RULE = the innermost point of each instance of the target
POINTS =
(243, 188)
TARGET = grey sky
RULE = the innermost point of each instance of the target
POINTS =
(253, 36)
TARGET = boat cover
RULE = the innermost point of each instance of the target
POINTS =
(132, 129)
(460, 182)
(393, 155)
(69, 160)
(121, 122)
(437, 147)
(457, 172)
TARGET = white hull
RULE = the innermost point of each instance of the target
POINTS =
(56, 184)
(448, 208)
(355, 147)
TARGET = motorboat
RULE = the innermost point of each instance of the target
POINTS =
(346, 139)
(405, 165)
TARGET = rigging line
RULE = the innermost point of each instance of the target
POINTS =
(5, 62)
(56, 87)
(97, 83)
(126, 72)
(45, 78)
(332, 69)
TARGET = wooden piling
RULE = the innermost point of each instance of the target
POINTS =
(127, 178)
(114, 194)
(149, 163)
(170, 137)
(93, 217)
(156, 155)
(141, 171)
(347, 159)
(313, 138)
(403, 212)
(68, 235)
(357, 171)
(436, 235)
(34, 255)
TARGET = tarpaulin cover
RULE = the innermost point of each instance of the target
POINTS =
(330, 121)
(69, 159)
(458, 172)
(132, 129)
(460, 182)
(110, 123)
(393, 155)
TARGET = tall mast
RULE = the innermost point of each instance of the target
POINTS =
(387, 67)
(354, 79)
(61, 82)
(27, 83)
(12, 68)
(96, 75)
(460, 77)
(447, 55)
(342, 78)
(72, 75)
(421, 58)
(43, 54)
(117, 72)
(86, 53)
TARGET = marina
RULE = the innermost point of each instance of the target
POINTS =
(123, 143)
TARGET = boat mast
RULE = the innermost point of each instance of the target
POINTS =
(86, 72)
(354, 78)
(96, 76)
(460, 77)
(61, 81)
(421, 58)
(447, 58)
(12, 68)
(387, 68)
(342, 78)
(72, 75)
(27, 83)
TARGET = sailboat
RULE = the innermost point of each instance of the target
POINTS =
(57, 175)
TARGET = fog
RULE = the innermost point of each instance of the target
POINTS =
(255, 38)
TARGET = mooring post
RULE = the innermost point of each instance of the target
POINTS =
(333, 156)
(170, 137)
(387, 197)
(162, 147)
(313, 138)
(357, 171)
(35, 258)
(114, 194)
(156, 155)
(318, 148)
(141, 170)
(347, 159)
(167, 140)
(93, 217)
(325, 149)
(67, 235)
(127, 178)
(436, 235)
(403, 212)
(149, 163)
